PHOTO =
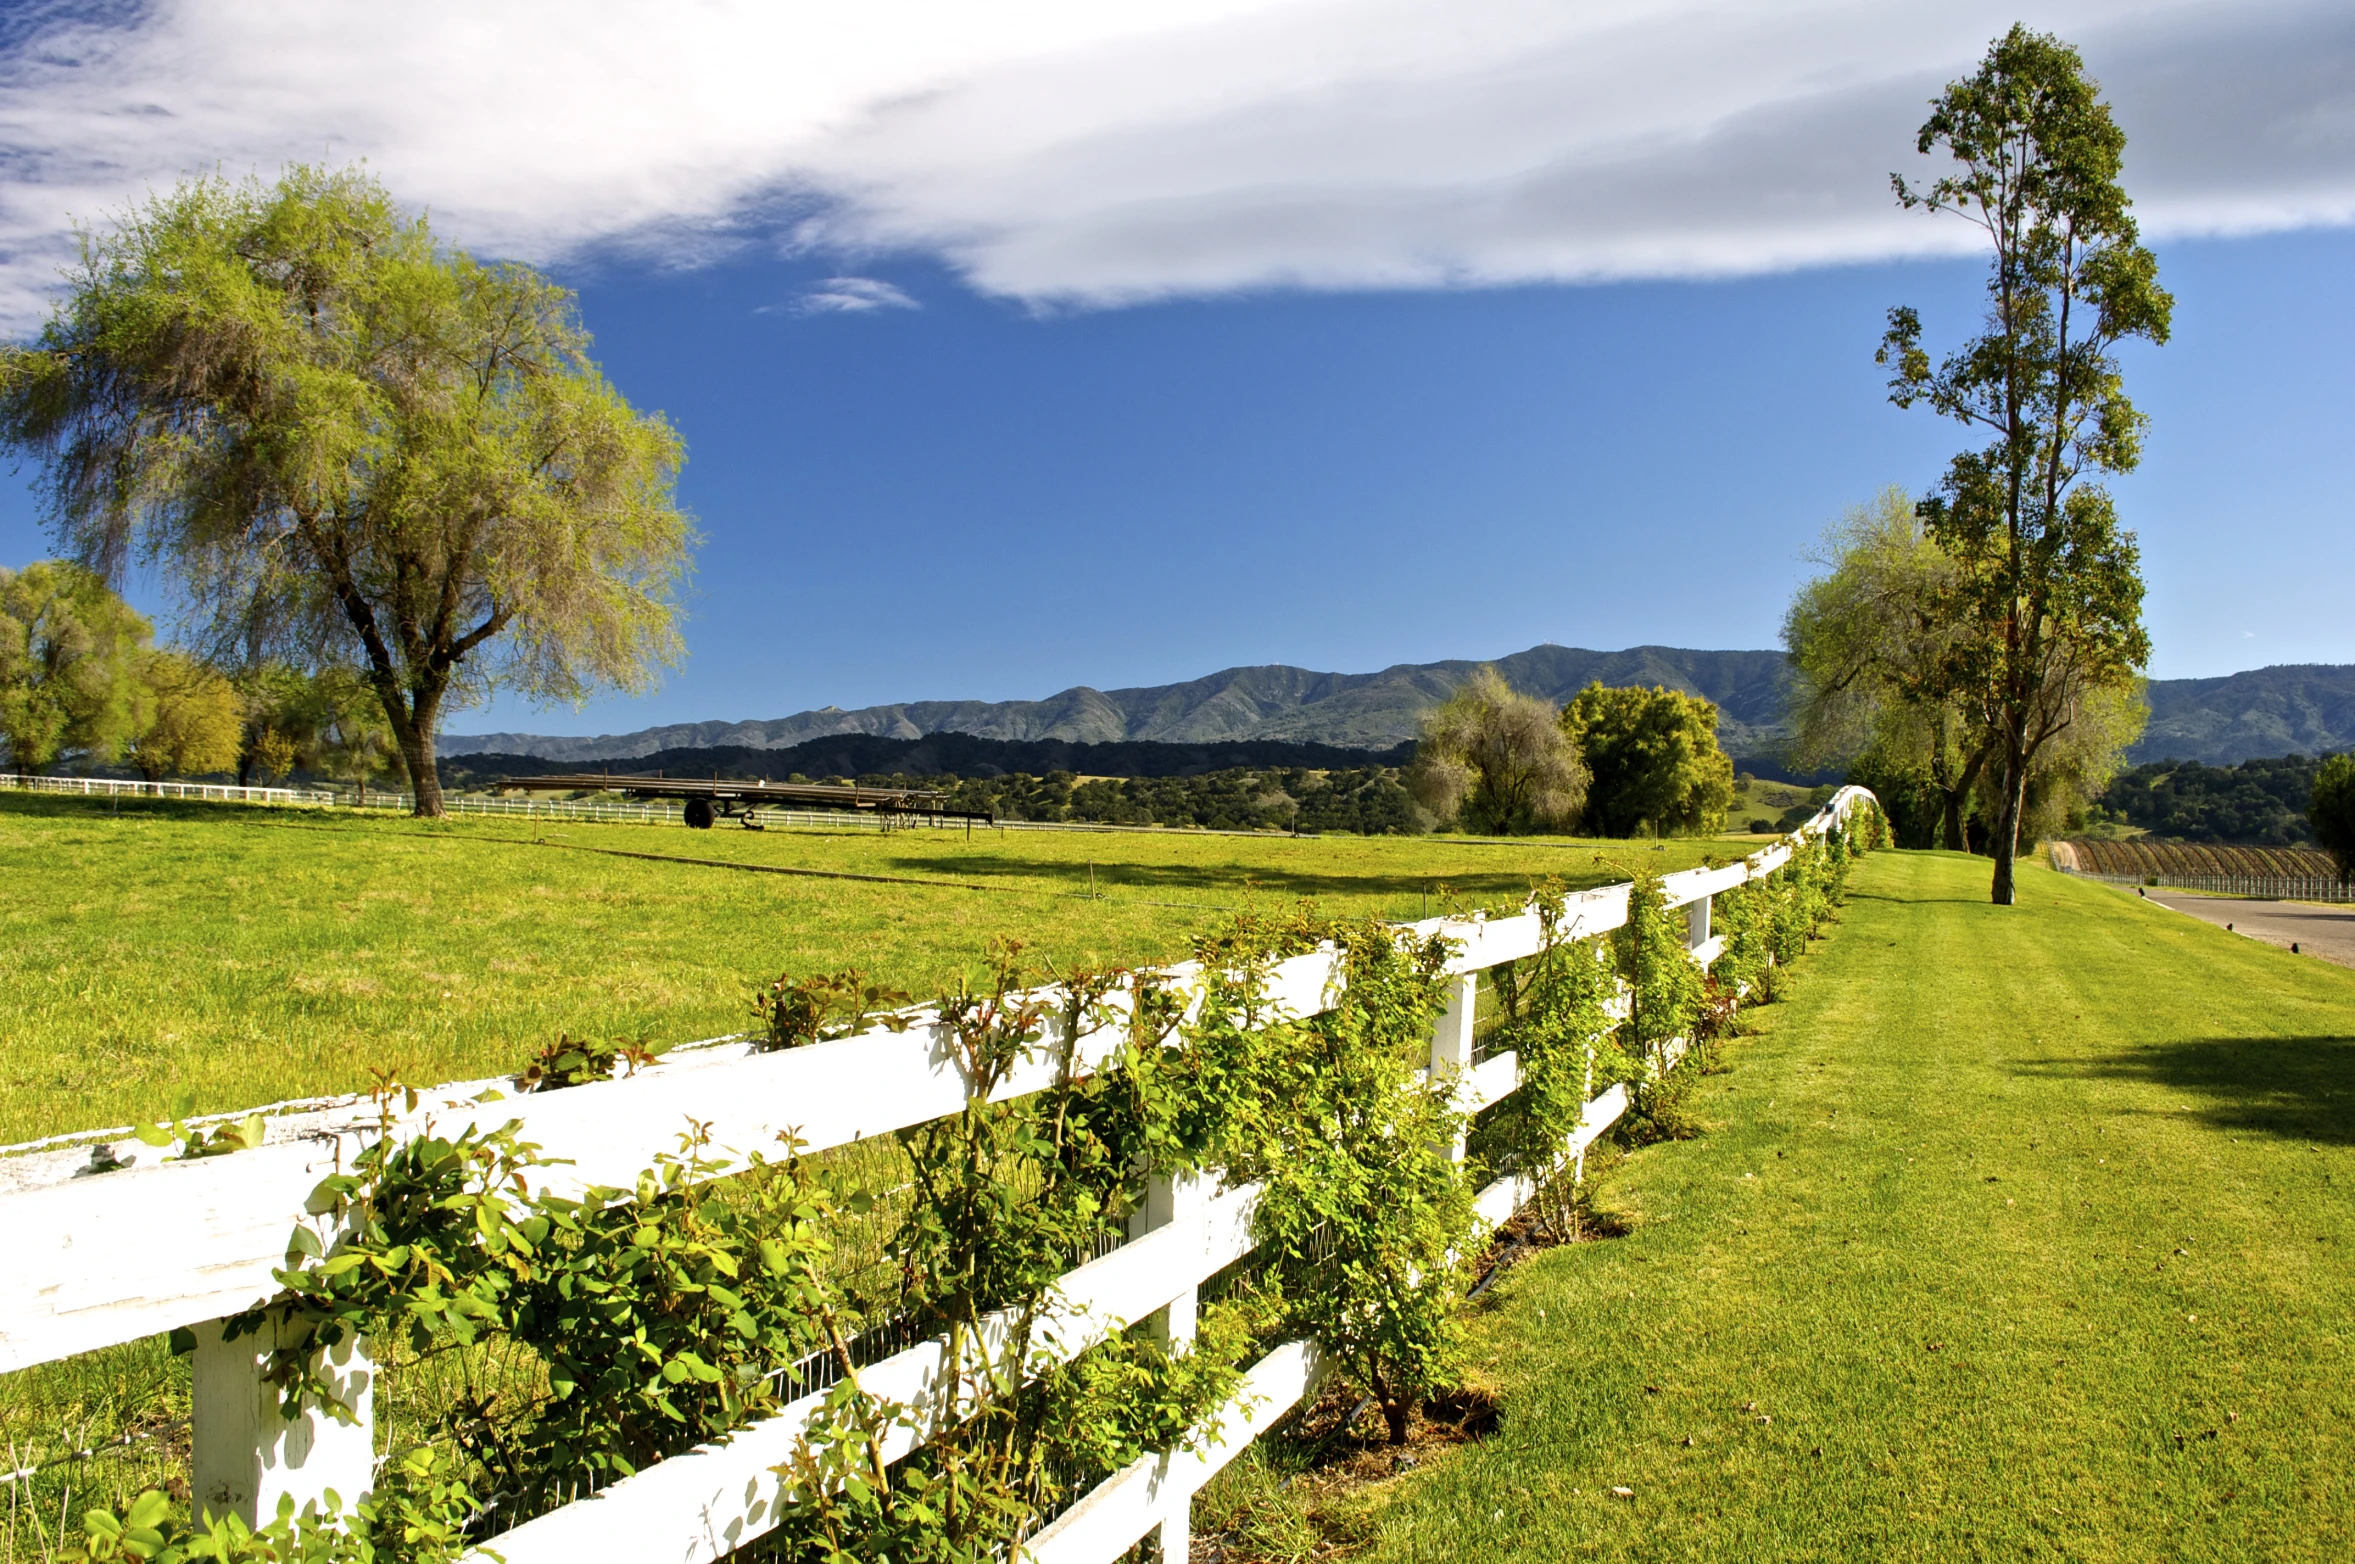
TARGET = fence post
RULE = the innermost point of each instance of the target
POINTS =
(1452, 1041)
(248, 1454)
(1696, 923)
(1170, 1198)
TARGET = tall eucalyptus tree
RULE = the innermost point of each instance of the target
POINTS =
(2047, 590)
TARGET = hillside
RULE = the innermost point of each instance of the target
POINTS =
(2306, 709)
(2292, 709)
(1270, 702)
(953, 755)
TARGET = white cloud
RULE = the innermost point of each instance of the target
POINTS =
(852, 295)
(1070, 151)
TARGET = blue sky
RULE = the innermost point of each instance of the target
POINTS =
(1071, 451)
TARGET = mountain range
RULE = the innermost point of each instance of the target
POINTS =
(2304, 709)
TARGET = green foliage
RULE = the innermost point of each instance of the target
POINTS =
(2332, 813)
(1371, 1215)
(2045, 607)
(241, 1135)
(1007, 1196)
(1365, 800)
(1557, 1022)
(794, 1012)
(416, 1515)
(1869, 641)
(1664, 993)
(350, 446)
(1743, 918)
(1916, 802)
(2257, 803)
(189, 722)
(1497, 761)
(343, 719)
(565, 1062)
(1654, 756)
(70, 652)
(665, 1315)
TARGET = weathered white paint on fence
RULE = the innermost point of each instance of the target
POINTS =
(250, 1455)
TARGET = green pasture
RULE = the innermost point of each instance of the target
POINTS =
(159, 959)
(2016, 1233)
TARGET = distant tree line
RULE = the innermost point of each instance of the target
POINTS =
(1367, 800)
(1613, 762)
(83, 685)
(2257, 803)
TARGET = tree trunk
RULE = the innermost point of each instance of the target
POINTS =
(425, 782)
(2006, 842)
(1394, 1413)
(413, 723)
(1950, 833)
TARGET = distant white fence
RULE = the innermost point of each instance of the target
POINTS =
(2259, 887)
(213, 792)
(98, 1259)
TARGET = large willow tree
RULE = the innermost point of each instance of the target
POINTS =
(351, 446)
(2045, 609)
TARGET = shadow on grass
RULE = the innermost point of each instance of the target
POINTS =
(1278, 885)
(2294, 1088)
(1911, 899)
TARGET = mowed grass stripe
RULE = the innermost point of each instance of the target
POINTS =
(1917, 1294)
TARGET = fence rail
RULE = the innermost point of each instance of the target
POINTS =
(210, 1233)
(120, 787)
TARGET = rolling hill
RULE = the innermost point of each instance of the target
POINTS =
(2290, 709)
(1269, 702)
(2302, 709)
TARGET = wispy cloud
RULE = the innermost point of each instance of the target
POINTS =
(1068, 151)
(851, 295)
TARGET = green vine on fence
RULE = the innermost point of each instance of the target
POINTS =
(1557, 1020)
(1008, 1196)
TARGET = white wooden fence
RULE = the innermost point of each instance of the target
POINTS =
(119, 787)
(99, 1258)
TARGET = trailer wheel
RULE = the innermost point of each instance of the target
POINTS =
(698, 814)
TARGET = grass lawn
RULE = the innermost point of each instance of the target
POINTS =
(190, 958)
(2015, 1233)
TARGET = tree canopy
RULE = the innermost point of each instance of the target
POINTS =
(1497, 761)
(2046, 604)
(70, 652)
(349, 445)
(1869, 641)
(1654, 760)
(190, 722)
(2332, 813)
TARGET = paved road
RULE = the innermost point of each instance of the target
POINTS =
(2328, 932)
